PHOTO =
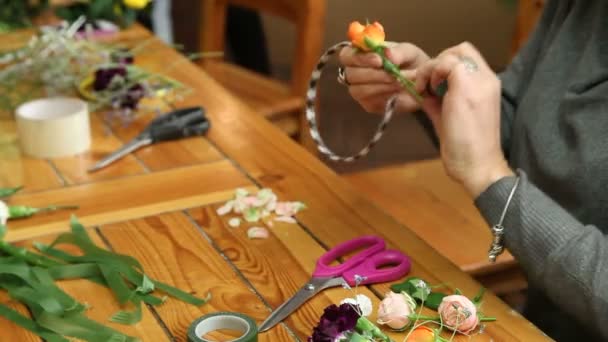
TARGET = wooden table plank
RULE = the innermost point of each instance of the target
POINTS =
(129, 197)
(169, 154)
(102, 302)
(16, 169)
(171, 249)
(103, 142)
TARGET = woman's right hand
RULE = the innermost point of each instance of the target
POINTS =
(371, 86)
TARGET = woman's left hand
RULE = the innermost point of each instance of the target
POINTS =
(467, 119)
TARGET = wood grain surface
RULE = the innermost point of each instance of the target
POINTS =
(172, 250)
(129, 197)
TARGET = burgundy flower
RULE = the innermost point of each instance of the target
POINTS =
(131, 99)
(104, 77)
(336, 321)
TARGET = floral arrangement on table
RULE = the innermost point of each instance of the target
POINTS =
(59, 62)
(348, 322)
(100, 14)
(18, 14)
(120, 12)
(29, 278)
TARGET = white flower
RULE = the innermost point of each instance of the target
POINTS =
(287, 219)
(226, 208)
(4, 214)
(234, 222)
(364, 303)
(257, 233)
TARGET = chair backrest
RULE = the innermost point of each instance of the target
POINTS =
(308, 16)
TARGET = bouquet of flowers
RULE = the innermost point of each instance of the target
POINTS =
(120, 12)
(348, 322)
(60, 62)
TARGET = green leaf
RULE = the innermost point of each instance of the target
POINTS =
(81, 327)
(181, 295)
(433, 300)
(2, 231)
(128, 18)
(30, 325)
(128, 317)
(406, 287)
(101, 9)
(116, 283)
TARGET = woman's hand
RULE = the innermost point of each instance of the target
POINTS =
(371, 86)
(467, 119)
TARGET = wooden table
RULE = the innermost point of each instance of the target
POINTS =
(159, 203)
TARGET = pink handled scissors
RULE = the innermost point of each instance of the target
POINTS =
(373, 264)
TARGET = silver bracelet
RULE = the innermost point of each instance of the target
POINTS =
(498, 230)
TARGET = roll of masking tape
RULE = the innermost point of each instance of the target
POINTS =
(223, 321)
(53, 127)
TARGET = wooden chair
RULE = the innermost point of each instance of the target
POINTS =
(527, 15)
(281, 103)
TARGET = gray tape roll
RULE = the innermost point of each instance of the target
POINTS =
(224, 320)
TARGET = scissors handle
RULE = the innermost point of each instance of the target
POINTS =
(382, 267)
(171, 132)
(370, 245)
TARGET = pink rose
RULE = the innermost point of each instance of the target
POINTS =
(458, 313)
(395, 309)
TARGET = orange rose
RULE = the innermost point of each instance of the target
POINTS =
(358, 33)
(422, 334)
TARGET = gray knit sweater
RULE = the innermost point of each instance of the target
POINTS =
(555, 133)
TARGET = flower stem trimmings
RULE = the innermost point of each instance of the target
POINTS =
(262, 206)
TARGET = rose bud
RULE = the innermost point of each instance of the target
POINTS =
(458, 313)
(373, 32)
(395, 309)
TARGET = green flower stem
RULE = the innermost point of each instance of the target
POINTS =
(424, 318)
(437, 319)
(487, 319)
(22, 211)
(5, 192)
(356, 337)
(365, 325)
(392, 69)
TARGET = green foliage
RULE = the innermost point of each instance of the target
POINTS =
(16, 14)
(110, 10)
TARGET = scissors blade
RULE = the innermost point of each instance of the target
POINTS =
(121, 152)
(309, 290)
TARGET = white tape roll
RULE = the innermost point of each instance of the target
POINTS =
(53, 127)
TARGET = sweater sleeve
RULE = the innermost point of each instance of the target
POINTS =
(562, 256)
(515, 78)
